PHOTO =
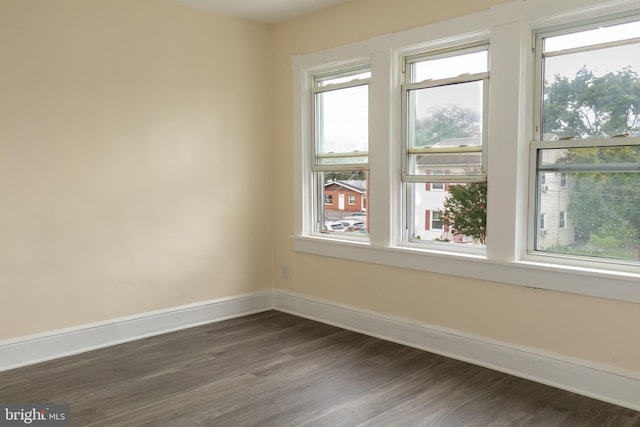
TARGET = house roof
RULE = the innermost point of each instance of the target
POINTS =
(352, 184)
(452, 159)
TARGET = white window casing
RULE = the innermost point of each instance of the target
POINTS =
(586, 45)
(510, 163)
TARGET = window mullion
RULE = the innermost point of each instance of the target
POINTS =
(381, 149)
(506, 148)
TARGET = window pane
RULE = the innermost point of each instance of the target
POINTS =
(604, 34)
(342, 122)
(456, 215)
(332, 159)
(452, 66)
(345, 202)
(621, 157)
(595, 214)
(348, 78)
(446, 116)
(592, 94)
(458, 164)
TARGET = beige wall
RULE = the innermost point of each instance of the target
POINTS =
(588, 328)
(134, 156)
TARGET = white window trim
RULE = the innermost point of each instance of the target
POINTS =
(410, 86)
(509, 30)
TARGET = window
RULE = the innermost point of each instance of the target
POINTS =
(436, 221)
(445, 113)
(438, 186)
(588, 135)
(340, 103)
(544, 187)
(403, 119)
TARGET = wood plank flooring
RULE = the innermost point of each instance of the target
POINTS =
(274, 369)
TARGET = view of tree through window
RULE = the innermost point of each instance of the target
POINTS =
(446, 111)
(591, 108)
(465, 210)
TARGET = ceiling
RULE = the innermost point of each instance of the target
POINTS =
(263, 11)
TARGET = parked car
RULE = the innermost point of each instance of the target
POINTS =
(354, 224)
(334, 226)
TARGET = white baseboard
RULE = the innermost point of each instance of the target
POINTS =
(65, 342)
(598, 381)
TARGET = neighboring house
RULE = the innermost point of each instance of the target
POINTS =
(429, 226)
(430, 197)
(555, 227)
(343, 198)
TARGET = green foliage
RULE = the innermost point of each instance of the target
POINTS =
(622, 231)
(604, 206)
(451, 121)
(591, 106)
(606, 203)
(465, 210)
(594, 248)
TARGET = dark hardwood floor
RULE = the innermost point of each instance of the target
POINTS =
(274, 369)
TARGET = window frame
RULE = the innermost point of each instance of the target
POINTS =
(408, 85)
(435, 180)
(538, 145)
(509, 28)
(318, 170)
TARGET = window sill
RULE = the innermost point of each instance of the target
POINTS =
(591, 281)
